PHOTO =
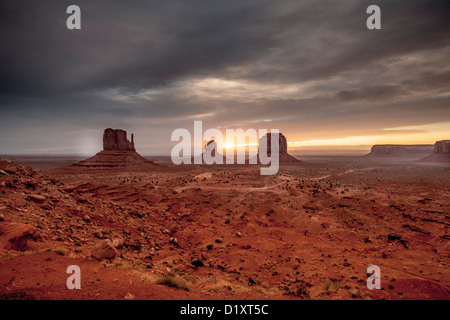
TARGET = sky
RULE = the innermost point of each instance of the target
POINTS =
(311, 69)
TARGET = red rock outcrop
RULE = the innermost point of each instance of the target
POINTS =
(284, 156)
(441, 153)
(116, 139)
(442, 147)
(14, 236)
(104, 249)
(397, 150)
(212, 145)
(117, 152)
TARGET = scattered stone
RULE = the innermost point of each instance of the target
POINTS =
(196, 262)
(28, 170)
(36, 198)
(69, 189)
(98, 234)
(416, 229)
(11, 169)
(104, 250)
(395, 237)
(117, 243)
(239, 234)
(134, 244)
(367, 240)
(129, 296)
(14, 236)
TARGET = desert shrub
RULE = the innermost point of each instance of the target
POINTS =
(61, 251)
(173, 282)
(331, 286)
(299, 289)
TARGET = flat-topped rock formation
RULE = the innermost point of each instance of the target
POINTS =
(441, 153)
(211, 148)
(284, 156)
(116, 139)
(118, 152)
(404, 151)
(442, 147)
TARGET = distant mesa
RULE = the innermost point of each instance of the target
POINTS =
(118, 152)
(442, 147)
(284, 156)
(441, 153)
(413, 152)
(116, 139)
(211, 149)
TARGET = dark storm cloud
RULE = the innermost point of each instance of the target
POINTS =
(151, 43)
(137, 45)
(52, 78)
(373, 93)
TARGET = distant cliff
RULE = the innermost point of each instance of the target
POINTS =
(398, 150)
(441, 153)
(118, 152)
(442, 147)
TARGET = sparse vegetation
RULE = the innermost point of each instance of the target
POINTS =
(61, 251)
(299, 289)
(330, 286)
(173, 282)
(357, 293)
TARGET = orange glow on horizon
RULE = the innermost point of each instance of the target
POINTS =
(423, 134)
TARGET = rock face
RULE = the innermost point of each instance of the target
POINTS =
(15, 236)
(211, 146)
(118, 152)
(441, 153)
(442, 147)
(267, 139)
(104, 250)
(397, 150)
(116, 139)
(284, 156)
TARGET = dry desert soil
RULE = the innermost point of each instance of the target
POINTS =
(226, 232)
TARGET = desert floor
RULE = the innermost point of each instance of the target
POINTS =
(226, 232)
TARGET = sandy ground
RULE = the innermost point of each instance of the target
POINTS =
(309, 232)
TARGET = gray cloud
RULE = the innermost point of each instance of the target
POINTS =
(140, 65)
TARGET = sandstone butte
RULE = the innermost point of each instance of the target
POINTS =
(441, 153)
(118, 152)
(284, 156)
